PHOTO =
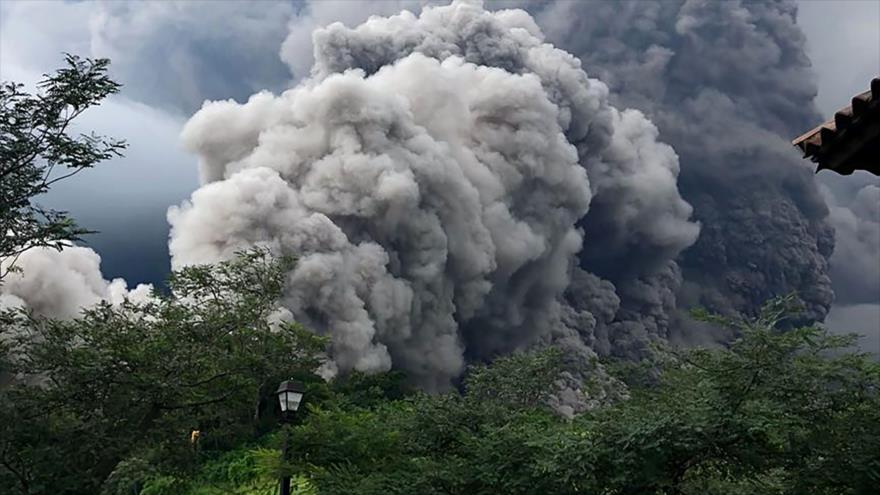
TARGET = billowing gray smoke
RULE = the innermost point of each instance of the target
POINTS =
(438, 192)
(726, 83)
(855, 264)
(59, 284)
(437, 175)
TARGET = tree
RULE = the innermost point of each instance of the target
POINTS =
(781, 411)
(519, 380)
(784, 411)
(136, 379)
(489, 440)
(37, 150)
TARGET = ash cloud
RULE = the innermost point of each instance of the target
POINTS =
(297, 49)
(855, 263)
(726, 83)
(59, 284)
(437, 176)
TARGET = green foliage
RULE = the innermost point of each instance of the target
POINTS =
(519, 380)
(37, 150)
(488, 440)
(781, 412)
(362, 390)
(776, 413)
(134, 380)
(243, 471)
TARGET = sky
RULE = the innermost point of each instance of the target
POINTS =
(843, 39)
(167, 57)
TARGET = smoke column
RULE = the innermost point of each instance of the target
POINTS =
(437, 176)
(457, 188)
(728, 84)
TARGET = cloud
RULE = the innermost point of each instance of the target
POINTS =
(125, 199)
(59, 284)
(861, 319)
(177, 54)
(726, 84)
(33, 35)
(843, 42)
(297, 51)
(433, 176)
(855, 263)
(170, 54)
(844, 47)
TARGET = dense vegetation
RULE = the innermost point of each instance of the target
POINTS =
(174, 395)
(772, 414)
(106, 404)
(132, 381)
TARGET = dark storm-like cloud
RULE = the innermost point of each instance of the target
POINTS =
(727, 84)
(177, 54)
(169, 54)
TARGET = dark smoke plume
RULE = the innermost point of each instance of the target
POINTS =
(727, 83)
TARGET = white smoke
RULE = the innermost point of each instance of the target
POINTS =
(432, 176)
(59, 284)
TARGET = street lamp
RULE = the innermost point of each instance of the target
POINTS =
(290, 394)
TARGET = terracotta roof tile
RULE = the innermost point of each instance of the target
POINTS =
(851, 140)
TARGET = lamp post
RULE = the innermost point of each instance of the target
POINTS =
(290, 394)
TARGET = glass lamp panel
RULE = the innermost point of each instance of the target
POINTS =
(293, 400)
(283, 399)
